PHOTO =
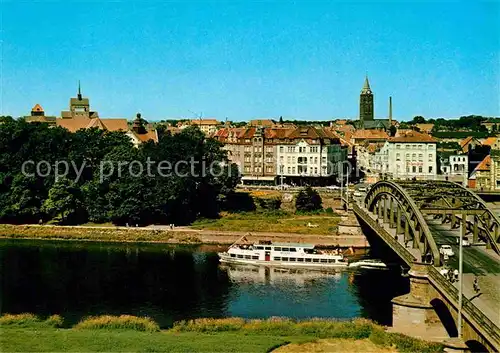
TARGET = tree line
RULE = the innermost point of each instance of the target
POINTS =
(90, 192)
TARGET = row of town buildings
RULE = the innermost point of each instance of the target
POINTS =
(272, 152)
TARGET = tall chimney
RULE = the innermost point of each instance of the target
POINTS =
(390, 110)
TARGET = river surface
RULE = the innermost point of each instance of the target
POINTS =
(171, 283)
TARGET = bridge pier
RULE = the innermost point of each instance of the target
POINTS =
(413, 314)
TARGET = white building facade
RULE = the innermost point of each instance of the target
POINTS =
(408, 156)
(310, 159)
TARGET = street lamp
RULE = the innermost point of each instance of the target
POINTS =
(460, 274)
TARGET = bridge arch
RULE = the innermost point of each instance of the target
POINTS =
(445, 316)
(422, 236)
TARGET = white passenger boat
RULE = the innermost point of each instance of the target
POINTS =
(369, 263)
(289, 255)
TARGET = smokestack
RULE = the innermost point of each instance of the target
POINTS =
(390, 111)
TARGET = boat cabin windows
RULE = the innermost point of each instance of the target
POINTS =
(300, 259)
(323, 260)
(233, 255)
(259, 247)
(293, 259)
(248, 256)
(332, 260)
(277, 248)
(255, 257)
(285, 249)
(293, 249)
(315, 260)
(308, 259)
(240, 256)
(277, 258)
(268, 248)
(284, 258)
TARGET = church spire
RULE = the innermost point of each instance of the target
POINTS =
(366, 87)
(79, 91)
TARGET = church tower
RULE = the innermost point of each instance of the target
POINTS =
(366, 103)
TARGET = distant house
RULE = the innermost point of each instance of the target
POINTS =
(426, 128)
(469, 143)
(207, 126)
(38, 116)
(261, 123)
(480, 177)
(140, 133)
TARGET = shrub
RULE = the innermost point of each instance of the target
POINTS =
(124, 322)
(209, 325)
(308, 200)
(54, 321)
(30, 320)
(403, 343)
(269, 204)
(329, 210)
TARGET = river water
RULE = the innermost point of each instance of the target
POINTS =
(171, 283)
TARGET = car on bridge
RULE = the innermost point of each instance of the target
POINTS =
(465, 242)
(446, 250)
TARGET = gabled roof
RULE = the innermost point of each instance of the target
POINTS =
(412, 136)
(485, 164)
(84, 123)
(466, 141)
(262, 122)
(37, 108)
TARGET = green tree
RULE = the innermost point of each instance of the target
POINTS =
(418, 120)
(64, 202)
(308, 200)
(392, 130)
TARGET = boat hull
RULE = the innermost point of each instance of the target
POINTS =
(225, 258)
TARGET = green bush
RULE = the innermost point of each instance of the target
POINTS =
(402, 342)
(269, 204)
(124, 322)
(28, 320)
(308, 200)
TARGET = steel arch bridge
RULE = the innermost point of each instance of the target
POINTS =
(403, 205)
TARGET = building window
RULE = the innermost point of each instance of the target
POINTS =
(413, 156)
(398, 146)
(431, 146)
(398, 156)
(289, 170)
(420, 157)
(420, 169)
(281, 148)
(414, 169)
(407, 169)
(293, 170)
(430, 169)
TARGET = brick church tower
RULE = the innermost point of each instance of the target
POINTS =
(366, 103)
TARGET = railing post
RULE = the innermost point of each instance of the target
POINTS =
(398, 220)
(392, 204)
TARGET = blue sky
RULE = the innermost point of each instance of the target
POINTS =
(242, 60)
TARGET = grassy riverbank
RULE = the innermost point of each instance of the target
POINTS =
(126, 333)
(276, 222)
(109, 234)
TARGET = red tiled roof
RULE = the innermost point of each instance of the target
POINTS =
(490, 141)
(484, 165)
(412, 136)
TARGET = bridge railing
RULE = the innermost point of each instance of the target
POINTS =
(393, 243)
(468, 307)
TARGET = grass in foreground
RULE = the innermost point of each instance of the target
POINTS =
(274, 222)
(57, 340)
(26, 332)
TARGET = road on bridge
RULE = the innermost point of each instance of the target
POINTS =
(477, 261)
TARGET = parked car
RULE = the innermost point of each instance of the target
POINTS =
(333, 187)
(465, 242)
(446, 250)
